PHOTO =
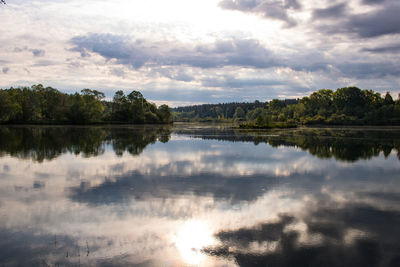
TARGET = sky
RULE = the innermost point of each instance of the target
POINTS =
(183, 52)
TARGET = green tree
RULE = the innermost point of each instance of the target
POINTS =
(136, 107)
(120, 107)
(164, 114)
(76, 109)
(92, 107)
(275, 106)
(263, 120)
(388, 100)
(349, 101)
(6, 106)
(253, 114)
(239, 114)
(51, 102)
(320, 103)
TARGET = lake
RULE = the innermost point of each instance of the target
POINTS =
(199, 195)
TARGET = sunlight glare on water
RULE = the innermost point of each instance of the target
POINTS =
(191, 239)
(195, 195)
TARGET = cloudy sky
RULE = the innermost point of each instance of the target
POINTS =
(188, 51)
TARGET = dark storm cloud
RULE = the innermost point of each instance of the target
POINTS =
(233, 52)
(5, 70)
(334, 11)
(267, 8)
(35, 51)
(292, 4)
(247, 53)
(18, 49)
(383, 49)
(365, 70)
(38, 52)
(372, 2)
(381, 21)
(39, 185)
(81, 50)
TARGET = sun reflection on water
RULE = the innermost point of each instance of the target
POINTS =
(191, 239)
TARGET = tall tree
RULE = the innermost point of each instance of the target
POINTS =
(164, 114)
(239, 114)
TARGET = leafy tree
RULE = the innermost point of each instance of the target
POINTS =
(276, 105)
(164, 114)
(136, 107)
(6, 107)
(263, 120)
(349, 101)
(239, 114)
(253, 114)
(321, 102)
(92, 106)
(51, 102)
(76, 111)
(120, 110)
(388, 99)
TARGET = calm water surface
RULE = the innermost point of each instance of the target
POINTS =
(198, 195)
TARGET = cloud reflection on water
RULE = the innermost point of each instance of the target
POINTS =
(261, 202)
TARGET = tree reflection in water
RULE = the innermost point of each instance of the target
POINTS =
(196, 199)
(40, 143)
(48, 142)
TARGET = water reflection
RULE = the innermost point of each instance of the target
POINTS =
(202, 196)
(347, 144)
(46, 143)
(354, 235)
(40, 143)
(193, 236)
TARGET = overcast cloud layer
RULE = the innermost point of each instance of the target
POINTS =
(184, 52)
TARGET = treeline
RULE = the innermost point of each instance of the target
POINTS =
(345, 106)
(39, 104)
(222, 111)
(348, 105)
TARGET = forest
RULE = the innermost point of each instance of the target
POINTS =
(46, 105)
(344, 106)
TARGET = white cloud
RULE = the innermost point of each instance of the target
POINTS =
(182, 43)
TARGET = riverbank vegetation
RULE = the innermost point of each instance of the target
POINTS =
(47, 105)
(345, 106)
